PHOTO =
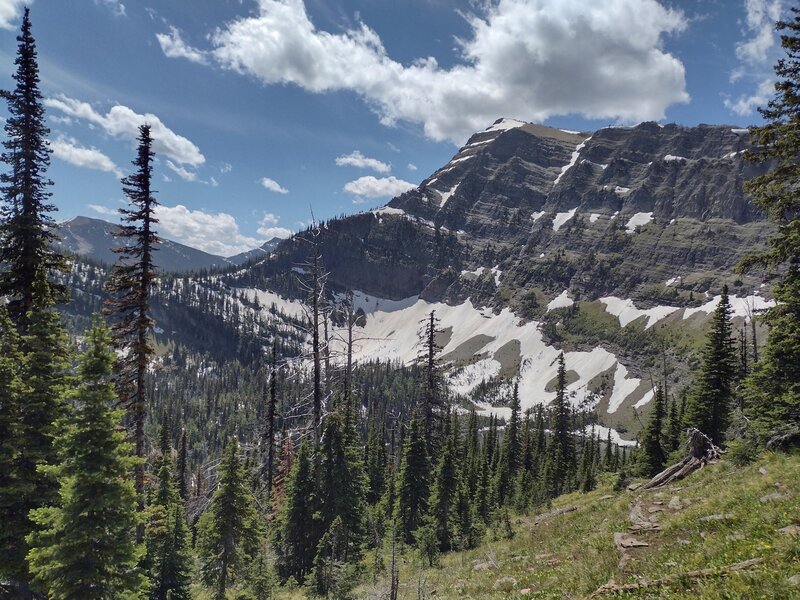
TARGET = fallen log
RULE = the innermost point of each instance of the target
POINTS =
(701, 452)
(613, 588)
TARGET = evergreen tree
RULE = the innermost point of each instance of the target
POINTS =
(413, 482)
(129, 291)
(653, 454)
(167, 537)
(12, 390)
(709, 407)
(673, 429)
(295, 531)
(772, 392)
(27, 250)
(375, 464)
(228, 532)
(432, 401)
(443, 491)
(559, 468)
(269, 428)
(183, 490)
(342, 485)
(510, 455)
(85, 547)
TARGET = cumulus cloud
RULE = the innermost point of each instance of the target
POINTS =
(216, 233)
(69, 150)
(748, 103)
(9, 11)
(529, 59)
(173, 46)
(273, 186)
(374, 187)
(123, 123)
(115, 6)
(104, 210)
(760, 19)
(269, 229)
(356, 159)
(181, 172)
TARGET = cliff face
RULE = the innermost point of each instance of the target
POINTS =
(613, 211)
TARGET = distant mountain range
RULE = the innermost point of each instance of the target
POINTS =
(94, 239)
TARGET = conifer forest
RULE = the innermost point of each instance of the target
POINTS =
(372, 409)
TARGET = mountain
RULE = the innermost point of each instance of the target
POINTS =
(611, 246)
(254, 254)
(94, 238)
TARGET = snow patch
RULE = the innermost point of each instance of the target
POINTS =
(742, 307)
(622, 191)
(446, 195)
(388, 210)
(672, 157)
(505, 125)
(602, 432)
(642, 218)
(593, 217)
(574, 159)
(560, 301)
(562, 218)
(626, 311)
(537, 215)
(739, 131)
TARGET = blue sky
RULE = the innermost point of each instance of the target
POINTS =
(266, 110)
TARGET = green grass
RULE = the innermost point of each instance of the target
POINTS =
(572, 554)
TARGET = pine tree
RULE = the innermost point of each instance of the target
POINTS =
(673, 429)
(167, 537)
(432, 401)
(228, 532)
(559, 468)
(85, 547)
(413, 482)
(27, 249)
(709, 407)
(269, 427)
(653, 455)
(295, 531)
(510, 454)
(129, 291)
(772, 392)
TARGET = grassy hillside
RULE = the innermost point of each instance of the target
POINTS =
(719, 516)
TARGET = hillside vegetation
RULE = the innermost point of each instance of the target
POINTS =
(720, 516)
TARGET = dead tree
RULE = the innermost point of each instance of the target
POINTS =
(702, 451)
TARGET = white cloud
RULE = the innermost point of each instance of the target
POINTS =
(59, 120)
(226, 168)
(760, 19)
(173, 46)
(104, 210)
(115, 6)
(356, 159)
(123, 123)
(273, 186)
(373, 187)
(748, 103)
(69, 150)
(529, 59)
(9, 11)
(213, 182)
(181, 172)
(268, 227)
(216, 233)
(412, 167)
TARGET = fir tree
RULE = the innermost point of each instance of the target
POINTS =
(673, 429)
(183, 490)
(432, 402)
(269, 428)
(443, 491)
(342, 485)
(772, 392)
(510, 455)
(27, 251)
(559, 468)
(167, 537)
(228, 532)
(709, 407)
(85, 547)
(129, 291)
(295, 531)
(653, 455)
(12, 390)
(413, 482)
